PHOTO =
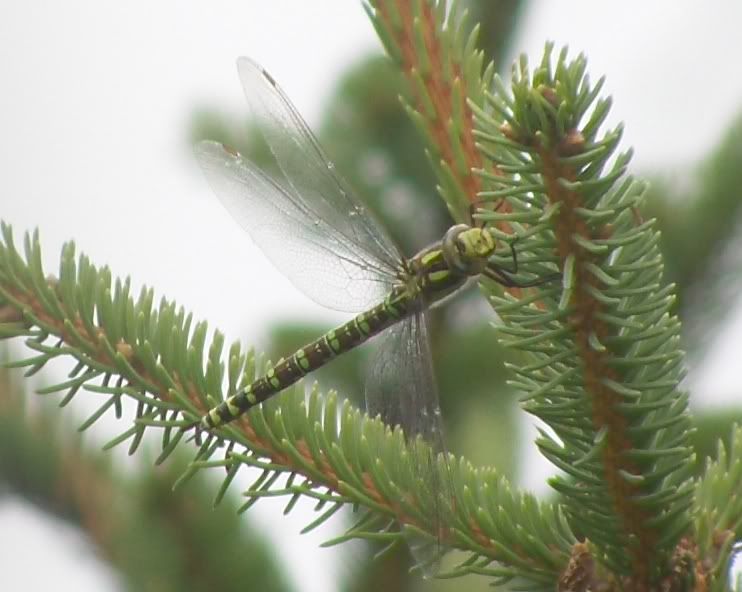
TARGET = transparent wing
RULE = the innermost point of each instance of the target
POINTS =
(401, 389)
(401, 385)
(309, 173)
(330, 270)
(327, 240)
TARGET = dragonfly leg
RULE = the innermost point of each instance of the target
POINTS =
(514, 255)
(480, 203)
(511, 244)
(504, 277)
(197, 431)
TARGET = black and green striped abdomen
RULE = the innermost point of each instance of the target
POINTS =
(430, 276)
(313, 356)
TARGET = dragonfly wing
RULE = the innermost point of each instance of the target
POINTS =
(401, 385)
(309, 173)
(310, 179)
(401, 388)
(310, 250)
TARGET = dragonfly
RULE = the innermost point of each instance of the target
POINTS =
(316, 231)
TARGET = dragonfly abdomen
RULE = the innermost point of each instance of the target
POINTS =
(396, 306)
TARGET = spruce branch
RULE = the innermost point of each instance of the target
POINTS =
(158, 357)
(601, 360)
(445, 71)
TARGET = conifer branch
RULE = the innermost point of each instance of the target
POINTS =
(444, 71)
(158, 358)
(602, 363)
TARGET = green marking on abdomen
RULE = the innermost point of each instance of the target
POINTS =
(309, 358)
(332, 342)
(233, 406)
(438, 276)
(390, 309)
(362, 324)
(301, 362)
(273, 379)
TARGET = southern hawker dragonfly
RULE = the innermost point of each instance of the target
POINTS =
(314, 229)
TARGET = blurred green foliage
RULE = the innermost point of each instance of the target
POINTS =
(699, 212)
(157, 539)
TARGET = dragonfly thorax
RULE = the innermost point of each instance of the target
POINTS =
(467, 248)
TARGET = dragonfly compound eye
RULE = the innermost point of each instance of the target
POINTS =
(476, 243)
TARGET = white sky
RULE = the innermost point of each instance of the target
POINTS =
(95, 103)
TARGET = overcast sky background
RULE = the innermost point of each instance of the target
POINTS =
(94, 111)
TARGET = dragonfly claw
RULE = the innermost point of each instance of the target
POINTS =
(197, 431)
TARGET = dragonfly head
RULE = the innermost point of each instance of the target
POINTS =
(467, 248)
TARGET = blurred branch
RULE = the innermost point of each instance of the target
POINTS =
(498, 20)
(158, 539)
(437, 54)
(700, 222)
